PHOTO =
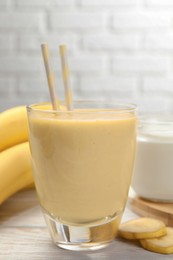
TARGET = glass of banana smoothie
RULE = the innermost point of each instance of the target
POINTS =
(82, 163)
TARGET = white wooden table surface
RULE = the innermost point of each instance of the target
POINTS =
(24, 235)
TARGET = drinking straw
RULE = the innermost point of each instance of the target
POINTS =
(66, 76)
(50, 76)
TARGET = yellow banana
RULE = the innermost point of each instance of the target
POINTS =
(15, 170)
(13, 127)
(19, 184)
(30, 186)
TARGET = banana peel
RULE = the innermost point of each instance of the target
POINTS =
(13, 127)
(15, 170)
(15, 158)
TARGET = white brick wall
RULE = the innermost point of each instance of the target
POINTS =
(118, 49)
(160, 3)
(21, 21)
(111, 42)
(20, 65)
(108, 3)
(140, 20)
(7, 43)
(77, 20)
(141, 64)
(159, 42)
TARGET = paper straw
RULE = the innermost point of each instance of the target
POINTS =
(50, 76)
(66, 76)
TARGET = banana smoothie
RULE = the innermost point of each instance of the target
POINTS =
(82, 162)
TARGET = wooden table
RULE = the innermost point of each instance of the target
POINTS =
(24, 235)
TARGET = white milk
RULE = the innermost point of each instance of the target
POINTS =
(153, 177)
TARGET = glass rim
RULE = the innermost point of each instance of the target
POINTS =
(116, 108)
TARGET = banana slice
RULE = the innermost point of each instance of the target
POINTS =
(142, 228)
(162, 245)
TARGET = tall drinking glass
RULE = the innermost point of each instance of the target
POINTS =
(83, 163)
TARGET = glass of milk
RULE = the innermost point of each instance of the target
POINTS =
(153, 176)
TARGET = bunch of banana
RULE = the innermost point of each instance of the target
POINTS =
(15, 161)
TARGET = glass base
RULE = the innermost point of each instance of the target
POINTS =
(82, 237)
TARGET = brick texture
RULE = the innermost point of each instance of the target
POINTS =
(32, 3)
(21, 20)
(159, 3)
(112, 42)
(77, 20)
(161, 86)
(141, 64)
(117, 49)
(108, 3)
(159, 42)
(142, 20)
(7, 42)
(124, 87)
(4, 3)
(20, 65)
